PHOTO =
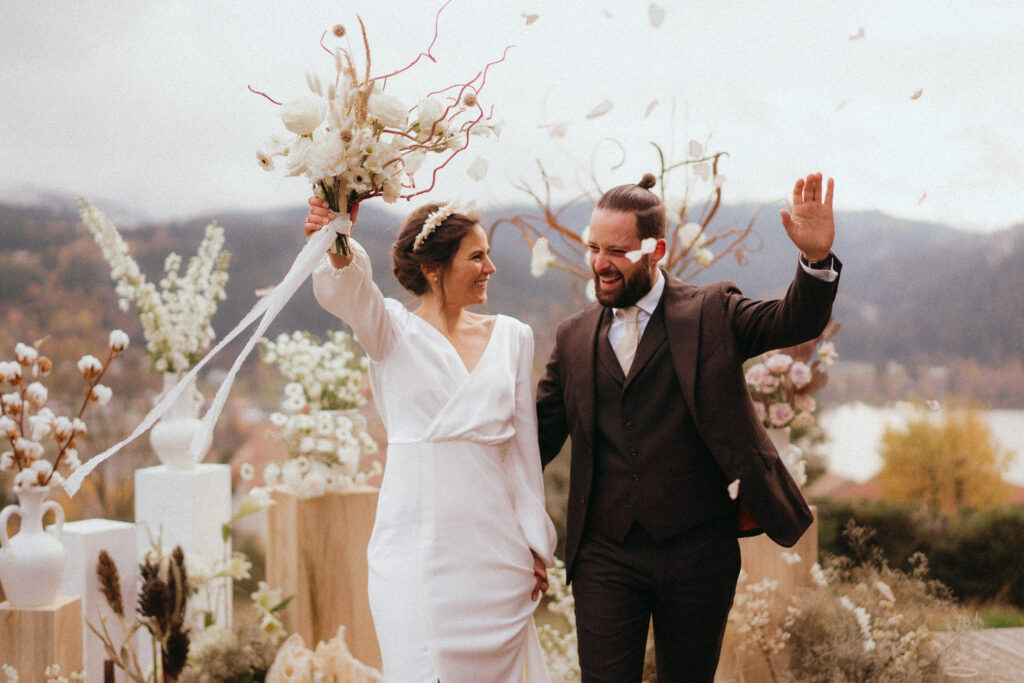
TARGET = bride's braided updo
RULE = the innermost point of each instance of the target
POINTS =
(437, 247)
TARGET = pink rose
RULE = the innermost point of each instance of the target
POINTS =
(760, 411)
(755, 375)
(778, 363)
(805, 403)
(803, 420)
(769, 384)
(780, 414)
(800, 374)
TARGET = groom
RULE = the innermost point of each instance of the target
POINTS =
(649, 385)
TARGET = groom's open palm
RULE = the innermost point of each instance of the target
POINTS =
(810, 223)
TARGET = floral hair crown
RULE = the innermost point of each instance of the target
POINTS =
(436, 218)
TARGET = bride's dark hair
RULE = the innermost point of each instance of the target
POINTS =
(437, 249)
(638, 199)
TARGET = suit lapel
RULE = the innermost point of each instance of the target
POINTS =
(586, 338)
(682, 321)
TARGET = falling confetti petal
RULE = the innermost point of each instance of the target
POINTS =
(696, 149)
(842, 105)
(478, 169)
(530, 18)
(556, 182)
(606, 13)
(920, 201)
(656, 13)
(932, 405)
(557, 130)
(884, 589)
(650, 108)
(600, 110)
(917, 94)
(734, 489)
(646, 247)
(858, 35)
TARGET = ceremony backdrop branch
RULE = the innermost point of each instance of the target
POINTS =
(695, 240)
(354, 142)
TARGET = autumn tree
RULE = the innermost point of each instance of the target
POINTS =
(947, 459)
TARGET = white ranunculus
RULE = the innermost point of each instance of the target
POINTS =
(387, 109)
(428, 112)
(303, 114)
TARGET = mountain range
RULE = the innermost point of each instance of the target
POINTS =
(911, 292)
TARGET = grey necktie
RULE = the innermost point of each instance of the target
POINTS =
(626, 348)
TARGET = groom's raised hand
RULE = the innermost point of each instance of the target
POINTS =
(810, 223)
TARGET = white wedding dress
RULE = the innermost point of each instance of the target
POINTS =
(461, 503)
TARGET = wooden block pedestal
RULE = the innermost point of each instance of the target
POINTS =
(31, 639)
(762, 559)
(316, 552)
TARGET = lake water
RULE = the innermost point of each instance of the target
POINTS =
(855, 430)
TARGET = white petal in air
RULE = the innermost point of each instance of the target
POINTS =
(696, 149)
(858, 35)
(646, 247)
(478, 169)
(650, 108)
(530, 18)
(656, 13)
(600, 110)
(917, 94)
(734, 489)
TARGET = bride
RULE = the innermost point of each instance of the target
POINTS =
(461, 538)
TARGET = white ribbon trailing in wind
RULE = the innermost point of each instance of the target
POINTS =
(266, 309)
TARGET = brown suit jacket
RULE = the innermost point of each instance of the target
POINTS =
(712, 330)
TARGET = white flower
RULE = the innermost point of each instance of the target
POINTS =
(26, 479)
(278, 419)
(387, 109)
(272, 474)
(247, 471)
(8, 427)
(778, 363)
(63, 428)
(800, 374)
(10, 371)
(89, 366)
(790, 557)
(303, 114)
(118, 340)
(101, 393)
(428, 112)
(691, 235)
(704, 257)
(25, 354)
(36, 394)
(541, 257)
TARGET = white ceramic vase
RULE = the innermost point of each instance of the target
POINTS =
(32, 562)
(171, 435)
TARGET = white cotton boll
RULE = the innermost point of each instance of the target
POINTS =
(118, 340)
(8, 427)
(704, 257)
(101, 393)
(89, 366)
(25, 354)
(63, 428)
(26, 479)
(7, 462)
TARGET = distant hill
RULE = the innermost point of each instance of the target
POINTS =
(911, 292)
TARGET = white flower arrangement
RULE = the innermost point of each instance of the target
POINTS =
(331, 374)
(354, 141)
(176, 318)
(329, 661)
(29, 425)
(321, 430)
(560, 646)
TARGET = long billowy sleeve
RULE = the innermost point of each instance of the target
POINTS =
(523, 464)
(351, 294)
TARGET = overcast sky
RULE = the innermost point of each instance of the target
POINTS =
(145, 104)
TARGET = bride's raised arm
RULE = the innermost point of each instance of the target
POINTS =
(344, 286)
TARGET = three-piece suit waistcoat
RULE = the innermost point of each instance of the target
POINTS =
(650, 465)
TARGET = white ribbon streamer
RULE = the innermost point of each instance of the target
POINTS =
(266, 308)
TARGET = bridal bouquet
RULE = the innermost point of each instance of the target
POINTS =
(176, 318)
(354, 141)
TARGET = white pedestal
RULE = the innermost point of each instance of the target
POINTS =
(188, 507)
(83, 541)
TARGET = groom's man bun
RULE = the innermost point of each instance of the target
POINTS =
(439, 249)
(638, 199)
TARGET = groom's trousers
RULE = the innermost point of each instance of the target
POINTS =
(686, 584)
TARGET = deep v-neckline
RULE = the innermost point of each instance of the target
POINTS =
(483, 354)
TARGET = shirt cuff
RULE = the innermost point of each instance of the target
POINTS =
(828, 274)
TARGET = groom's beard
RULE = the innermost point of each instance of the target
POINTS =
(634, 287)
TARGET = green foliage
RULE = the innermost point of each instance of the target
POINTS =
(975, 553)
